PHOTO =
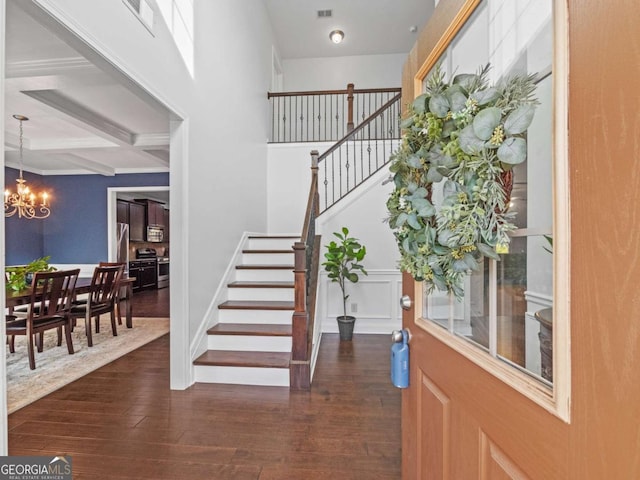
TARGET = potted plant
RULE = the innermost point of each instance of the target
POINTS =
(20, 277)
(343, 259)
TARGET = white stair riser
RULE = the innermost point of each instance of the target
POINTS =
(242, 375)
(267, 258)
(249, 343)
(258, 275)
(277, 294)
(255, 316)
(271, 243)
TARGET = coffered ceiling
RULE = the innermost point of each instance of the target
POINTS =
(83, 120)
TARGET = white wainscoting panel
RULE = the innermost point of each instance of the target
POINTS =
(375, 298)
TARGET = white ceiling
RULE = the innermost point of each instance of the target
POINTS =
(83, 121)
(370, 26)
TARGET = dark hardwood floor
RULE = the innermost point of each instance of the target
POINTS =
(123, 422)
(151, 303)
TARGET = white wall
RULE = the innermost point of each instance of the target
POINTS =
(288, 177)
(219, 184)
(364, 71)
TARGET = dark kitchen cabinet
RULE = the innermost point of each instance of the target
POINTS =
(154, 211)
(145, 273)
(137, 226)
(122, 212)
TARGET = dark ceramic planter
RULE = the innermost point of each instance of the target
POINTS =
(345, 326)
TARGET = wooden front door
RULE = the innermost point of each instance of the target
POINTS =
(468, 414)
(461, 422)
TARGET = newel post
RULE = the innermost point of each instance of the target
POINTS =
(350, 107)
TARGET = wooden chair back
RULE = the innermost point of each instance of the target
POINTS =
(105, 284)
(52, 294)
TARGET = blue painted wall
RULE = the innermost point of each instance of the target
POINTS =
(76, 231)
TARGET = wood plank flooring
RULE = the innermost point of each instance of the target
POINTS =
(123, 422)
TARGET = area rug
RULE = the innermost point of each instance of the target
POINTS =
(56, 368)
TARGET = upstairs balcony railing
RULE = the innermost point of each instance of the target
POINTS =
(323, 116)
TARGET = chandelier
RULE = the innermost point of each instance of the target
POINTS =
(23, 200)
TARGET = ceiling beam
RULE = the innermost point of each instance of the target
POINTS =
(81, 116)
(96, 124)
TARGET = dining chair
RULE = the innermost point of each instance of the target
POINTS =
(51, 297)
(103, 295)
(117, 300)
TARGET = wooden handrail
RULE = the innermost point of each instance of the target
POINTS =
(332, 92)
(305, 271)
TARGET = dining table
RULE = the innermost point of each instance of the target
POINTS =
(15, 298)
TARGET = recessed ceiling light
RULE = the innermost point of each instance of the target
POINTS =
(336, 36)
(413, 28)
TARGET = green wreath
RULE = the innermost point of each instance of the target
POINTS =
(468, 135)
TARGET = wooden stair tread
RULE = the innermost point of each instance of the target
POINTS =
(276, 251)
(224, 358)
(256, 305)
(263, 284)
(256, 329)
(264, 267)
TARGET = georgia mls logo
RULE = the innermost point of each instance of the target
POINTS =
(35, 468)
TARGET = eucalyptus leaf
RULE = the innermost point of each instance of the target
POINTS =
(420, 192)
(513, 150)
(402, 219)
(445, 238)
(469, 141)
(413, 222)
(457, 100)
(450, 188)
(433, 175)
(465, 80)
(488, 251)
(439, 282)
(427, 212)
(406, 123)
(486, 121)
(448, 128)
(471, 262)
(414, 161)
(460, 266)
(519, 120)
(440, 249)
(439, 105)
(420, 103)
(486, 96)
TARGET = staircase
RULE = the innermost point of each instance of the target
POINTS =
(251, 344)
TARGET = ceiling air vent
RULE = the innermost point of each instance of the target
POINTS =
(142, 10)
(324, 13)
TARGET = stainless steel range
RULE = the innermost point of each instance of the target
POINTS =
(163, 272)
(162, 265)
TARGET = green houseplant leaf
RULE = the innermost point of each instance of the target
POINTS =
(343, 257)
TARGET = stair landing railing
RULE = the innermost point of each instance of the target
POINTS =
(323, 115)
(359, 154)
(306, 265)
